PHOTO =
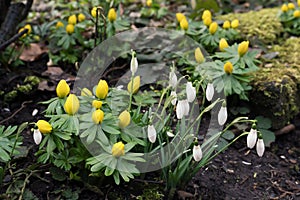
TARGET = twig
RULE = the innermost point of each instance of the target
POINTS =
(12, 39)
(23, 106)
(287, 129)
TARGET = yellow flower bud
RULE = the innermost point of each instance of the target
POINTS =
(44, 126)
(235, 23)
(149, 3)
(59, 24)
(291, 6)
(136, 85)
(94, 12)
(70, 28)
(98, 116)
(207, 21)
(28, 26)
(112, 15)
(102, 89)
(199, 56)
(213, 27)
(284, 8)
(243, 48)
(226, 24)
(20, 30)
(184, 24)
(206, 14)
(81, 17)
(62, 89)
(86, 92)
(179, 17)
(72, 104)
(72, 19)
(297, 13)
(223, 44)
(124, 119)
(298, 2)
(228, 68)
(118, 149)
(97, 104)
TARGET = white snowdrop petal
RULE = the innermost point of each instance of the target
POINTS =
(151, 133)
(252, 138)
(179, 110)
(190, 92)
(209, 91)
(186, 107)
(260, 147)
(34, 112)
(37, 136)
(133, 65)
(197, 153)
(172, 79)
(222, 115)
(174, 96)
(170, 134)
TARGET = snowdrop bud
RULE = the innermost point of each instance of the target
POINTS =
(252, 137)
(193, 4)
(260, 146)
(182, 109)
(170, 134)
(174, 96)
(172, 79)
(197, 153)
(209, 91)
(151, 133)
(133, 63)
(190, 92)
(222, 115)
(37, 136)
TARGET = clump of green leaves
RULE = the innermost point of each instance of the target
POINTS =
(290, 18)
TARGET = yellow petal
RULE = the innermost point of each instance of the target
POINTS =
(199, 56)
(136, 85)
(228, 68)
(62, 89)
(102, 89)
(213, 27)
(112, 15)
(243, 48)
(44, 126)
(118, 149)
(98, 116)
(72, 104)
(223, 44)
(124, 119)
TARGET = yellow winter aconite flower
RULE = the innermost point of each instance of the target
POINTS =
(149, 3)
(207, 21)
(72, 19)
(98, 116)
(297, 13)
(179, 17)
(94, 12)
(28, 26)
(70, 28)
(284, 8)
(112, 15)
(213, 27)
(59, 24)
(298, 2)
(235, 23)
(124, 119)
(291, 6)
(86, 92)
(81, 17)
(44, 126)
(118, 149)
(136, 85)
(97, 104)
(72, 104)
(206, 14)
(226, 24)
(243, 48)
(199, 56)
(223, 44)
(184, 24)
(228, 68)
(102, 89)
(62, 89)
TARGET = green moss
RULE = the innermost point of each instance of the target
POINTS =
(263, 25)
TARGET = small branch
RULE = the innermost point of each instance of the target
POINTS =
(285, 130)
(12, 39)
(23, 106)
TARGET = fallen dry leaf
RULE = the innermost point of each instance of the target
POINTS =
(32, 52)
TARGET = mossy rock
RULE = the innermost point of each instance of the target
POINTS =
(263, 25)
(276, 91)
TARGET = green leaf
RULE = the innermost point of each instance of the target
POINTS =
(263, 122)
(228, 135)
(57, 174)
(268, 137)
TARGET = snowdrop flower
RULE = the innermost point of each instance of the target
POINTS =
(173, 79)
(151, 133)
(174, 96)
(197, 152)
(222, 115)
(260, 146)
(37, 136)
(209, 91)
(252, 137)
(133, 63)
(182, 109)
(190, 92)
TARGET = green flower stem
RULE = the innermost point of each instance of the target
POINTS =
(131, 92)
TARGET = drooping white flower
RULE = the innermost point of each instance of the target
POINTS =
(197, 153)
(209, 91)
(151, 133)
(260, 147)
(182, 108)
(190, 92)
(172, 79)
(133, 63)
(222, 115)
(37, 136)
(252, 137)
(174, 96)
(170, 134)
(186, 106)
